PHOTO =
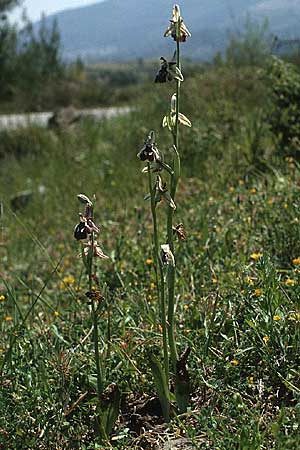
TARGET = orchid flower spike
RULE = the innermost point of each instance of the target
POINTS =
(177, 29)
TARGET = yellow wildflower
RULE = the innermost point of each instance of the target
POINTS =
(253, 190)
(2, 298)
(294, 316)
(185, 307)
(152, 286)
(255, 256)
(69, 280)
(56, 313)
(296, 261)
(285, 205)
(289, 282)
(241, 182)
(231, 189)
(234, 362)
(251, 380)
(276, 318)
(266, 339)
(66, 281)
(270, 201)
(258, 292)
(8, 318)
(249, 281)
(149, 261)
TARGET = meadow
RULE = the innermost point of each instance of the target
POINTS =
(237, 283)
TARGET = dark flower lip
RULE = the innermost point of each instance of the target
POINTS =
(80, 231)
(149, 151)
(85, 227)
(165, 72)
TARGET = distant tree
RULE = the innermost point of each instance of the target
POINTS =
(8, 42)
(39, 53)
(251, 46)
(30, 59)
(7, 5)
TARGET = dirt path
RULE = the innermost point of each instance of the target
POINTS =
(14, 121)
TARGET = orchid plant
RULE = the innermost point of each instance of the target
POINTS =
(163, 190)
(107, 399)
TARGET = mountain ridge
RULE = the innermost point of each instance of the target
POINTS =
(126, 29)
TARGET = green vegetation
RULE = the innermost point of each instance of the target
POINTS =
(81, 342)
(34, 77)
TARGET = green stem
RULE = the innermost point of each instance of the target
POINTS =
(160, 279)
(174, 183)
(95, 321)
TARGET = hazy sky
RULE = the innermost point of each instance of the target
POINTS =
(35, 8)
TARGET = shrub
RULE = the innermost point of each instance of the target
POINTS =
(285, 94)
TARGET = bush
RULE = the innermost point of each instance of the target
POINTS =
(285, 116)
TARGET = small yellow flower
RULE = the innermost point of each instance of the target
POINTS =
(152, 286)
(66, 281)
(294, 316)
(2, 298)
(241, 182)
(8, 318)
(266, 339)
(69, 280)
(234, 362)
(255, 256)
(276, 318)
(185, 307)
(231, 189)
(251, 380)
(296, 261)
(56, 313)
(149, 261)
(253, 190)
(289, 282)
(258, 292)
(285, 205)
(249, 281)
(270, 202)
(160, 328)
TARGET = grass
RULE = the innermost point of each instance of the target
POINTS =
(238, 290)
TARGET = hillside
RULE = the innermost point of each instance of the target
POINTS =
(127, 29)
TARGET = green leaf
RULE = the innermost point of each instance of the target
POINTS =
(109, 407)
(58, 335)
(161, 385)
